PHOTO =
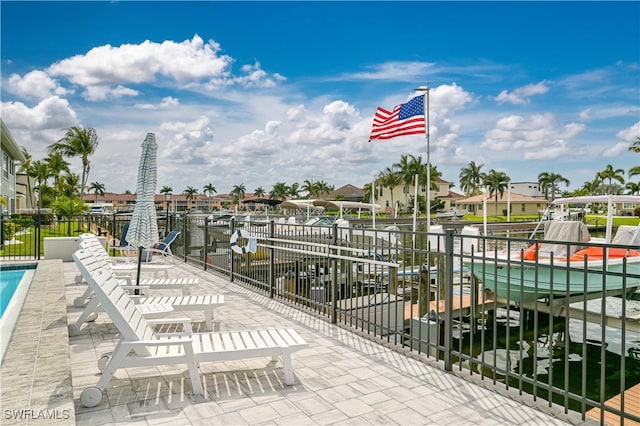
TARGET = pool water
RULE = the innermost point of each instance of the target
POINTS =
(8, 285)
(15, 281)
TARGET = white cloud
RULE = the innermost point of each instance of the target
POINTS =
(34, 85)
(108, 71)
(527, 136)
(616, 150)
(52, 112)
(630, 134)
(167, 102)
(521, 95)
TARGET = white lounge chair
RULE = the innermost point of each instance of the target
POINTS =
(141, 346)
(150, 306)
(91, 242)
(123, 265)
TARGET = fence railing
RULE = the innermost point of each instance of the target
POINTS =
(563, 328)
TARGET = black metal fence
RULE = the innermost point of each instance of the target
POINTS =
(560, 327)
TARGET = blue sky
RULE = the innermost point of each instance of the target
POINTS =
(256, 93)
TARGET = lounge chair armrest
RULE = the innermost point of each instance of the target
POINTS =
(160, 342)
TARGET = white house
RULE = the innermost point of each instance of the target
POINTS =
(12, 158)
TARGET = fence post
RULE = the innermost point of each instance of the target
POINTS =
(334, 277)
(272, 265)
(206, 242)
(37, 236)
(232, 225)
(448, 301)
(1, 230)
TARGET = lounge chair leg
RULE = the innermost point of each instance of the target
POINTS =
(289, 379)
(208, 317)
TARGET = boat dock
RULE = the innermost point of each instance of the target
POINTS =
(631, 406)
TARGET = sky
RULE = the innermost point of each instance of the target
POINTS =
(256, 93)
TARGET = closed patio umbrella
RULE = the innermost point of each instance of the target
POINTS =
(143, 229)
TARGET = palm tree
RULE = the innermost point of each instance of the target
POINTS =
(390, 178)
(408, 167)
(633, 171)
(190, 193)
(167, 190)
(310, 188)
(495, 182)
(471, 179)
(280, 191)
(209, 190)
(57, 166)
(78, 142)
(238, 192)
(636, 145)
(69, 208)
(27, 169)
(323, 188)
(611, 174)
(550, 179)
(633, 187)
(294, 190)
(259, 192)
(97, 188)
(41, 173)
(69, 185)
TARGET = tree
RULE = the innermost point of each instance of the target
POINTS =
(471, 179)
(69, 208)
(57, 166)
(636, 145)
(611, 174)
(27, 169)
(294, 190)
(280, 191)
(190, 193)
(69, 185)
(238, 192)
(259, 192)
(209, 190)
(78, 142)
(495, 182)
(97, 188)
(408, 167)
(41, 173)
(634, 171)
(633, 187)
(310, 188)
(550, 179)
(390, 178)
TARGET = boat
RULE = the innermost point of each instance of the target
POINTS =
(452, 213)
(567, 261)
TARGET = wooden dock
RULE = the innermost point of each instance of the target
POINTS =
(631, 406)
(461, 304)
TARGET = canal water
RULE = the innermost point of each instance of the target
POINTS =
(552, 352)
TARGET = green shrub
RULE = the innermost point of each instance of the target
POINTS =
(9, 231)
(636, 211)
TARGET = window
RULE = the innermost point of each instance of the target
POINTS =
(5, 165)
(523, 207)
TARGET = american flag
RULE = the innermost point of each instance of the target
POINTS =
(405, 119)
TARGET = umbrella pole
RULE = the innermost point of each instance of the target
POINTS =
(139, 268)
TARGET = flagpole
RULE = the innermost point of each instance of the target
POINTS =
(426, 133)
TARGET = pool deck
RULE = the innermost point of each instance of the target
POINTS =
(341, 378)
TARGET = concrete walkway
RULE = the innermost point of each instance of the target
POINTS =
(342, 378)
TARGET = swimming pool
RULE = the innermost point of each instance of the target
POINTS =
(15, 281)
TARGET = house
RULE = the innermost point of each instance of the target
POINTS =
(532, 189)
(346, 193)
(403, 194)
(12, 158)
(520, 204)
